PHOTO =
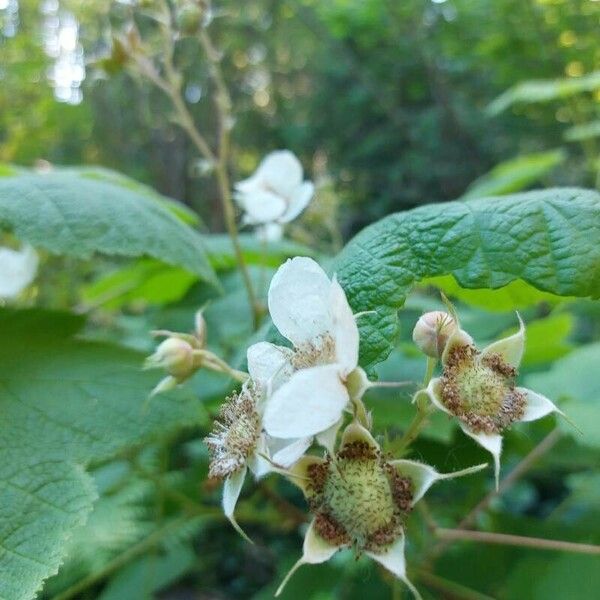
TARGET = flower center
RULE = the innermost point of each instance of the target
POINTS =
(235, 434)
(480, 390)
(320, 351)
(359, 499)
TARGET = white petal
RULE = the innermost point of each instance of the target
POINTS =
(261, 206)
(345, 330)
(269, 232)
(257, 462)
(355, 432)
(291, 452)
(299, 300)
(299, 200)
(510, 348)
(281, 172)
(433, 391)
(266, 360)
(18, 269)
(327, 438)
(459, 338)
(423, 476)
(309, 403)
(537, 406)
(314, 551)
(393, 560)
(246, 186)
(231, 492)
(492, 442)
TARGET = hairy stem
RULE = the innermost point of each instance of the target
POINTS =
(450, 589)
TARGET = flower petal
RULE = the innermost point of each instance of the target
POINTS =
(269, 232)
(298, 473)
(257, 462)
(299, 200)
(510, 348)
(328, 437)
(299, 299)
(261, 206)
(393, 560)
(231, 492)
(357, 433)
(265, 361)
(537, 406)
(18, 269)
(459, 338)
(281, 172)
(492, 442)
(423, 476)
(434, 393)
(309, 403)
(314, 551)
(290, 453)
(345, 330)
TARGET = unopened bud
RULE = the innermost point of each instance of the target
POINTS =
(432, 332)
(200, 328)
(175, 356)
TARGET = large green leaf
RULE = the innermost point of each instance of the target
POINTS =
(64, 403)
(546, 238)
(68, 214)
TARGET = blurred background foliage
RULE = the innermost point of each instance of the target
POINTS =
(390, 105)
(393, 100)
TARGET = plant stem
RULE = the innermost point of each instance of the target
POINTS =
(424, 409)
(171, 85)
(544, 446)
(504, 539)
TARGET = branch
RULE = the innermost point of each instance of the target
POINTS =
(485, 537)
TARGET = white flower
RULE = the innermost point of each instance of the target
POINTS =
(478, 387)
(238, 441)
(313, 313)
(18, 269)
(275, 194)
(361, 500)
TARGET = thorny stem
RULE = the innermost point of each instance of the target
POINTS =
(171, 85)
(515, 540)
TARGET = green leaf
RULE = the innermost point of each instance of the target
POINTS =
(65, 403)
(585, 131)
(76, 216)
(574, 378)
(255, 252)
(546, 238)
(181, 211)
(544, 90)
(516, 174)
(514, 296)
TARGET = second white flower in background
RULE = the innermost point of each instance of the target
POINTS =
(275, 194)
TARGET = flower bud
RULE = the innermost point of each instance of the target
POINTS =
(175, 356)
(432, 332)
